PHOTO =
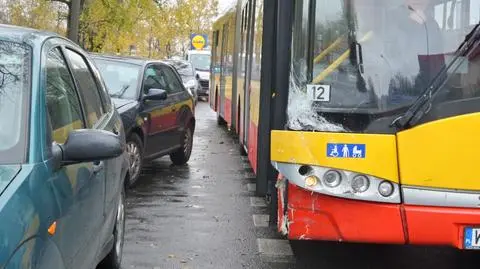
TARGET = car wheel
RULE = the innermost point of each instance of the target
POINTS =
(135, 154)
(182, 155)
(114, 258)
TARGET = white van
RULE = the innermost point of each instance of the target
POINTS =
(200, 60)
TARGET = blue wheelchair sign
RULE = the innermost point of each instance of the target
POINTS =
(343, 150)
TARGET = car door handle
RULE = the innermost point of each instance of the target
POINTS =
(98, 166)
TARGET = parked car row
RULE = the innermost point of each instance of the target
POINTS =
(195, 72)
(156, 109)
(187, 73)
(75, 131)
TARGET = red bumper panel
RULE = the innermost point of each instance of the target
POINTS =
(439, 225)
(253, 145)
(320, 217)
(228, 111)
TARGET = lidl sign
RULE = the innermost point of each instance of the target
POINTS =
(198, 41)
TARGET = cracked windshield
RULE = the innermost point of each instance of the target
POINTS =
(376, 59)
(240, 134)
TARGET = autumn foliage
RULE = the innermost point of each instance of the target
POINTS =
(152, 28)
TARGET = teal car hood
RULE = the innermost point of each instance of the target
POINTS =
(7, 174)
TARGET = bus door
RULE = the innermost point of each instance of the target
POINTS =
(241, 76)
(247, 65)
(214, 70)
(224, 70)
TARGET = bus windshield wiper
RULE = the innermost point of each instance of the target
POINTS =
(416, 111)
(121, 92)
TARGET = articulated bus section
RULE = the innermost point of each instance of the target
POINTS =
(236, 56)
(372, 138)
(223, 53)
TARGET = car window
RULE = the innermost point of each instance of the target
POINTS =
(105, 97)
(15, 85)
(184, 69)
(63, 103)
(174, 84)
(121, 78)
(88, 87)
(154, 79)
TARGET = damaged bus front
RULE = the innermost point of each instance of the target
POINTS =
(383, 124)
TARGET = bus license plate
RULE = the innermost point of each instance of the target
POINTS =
(472, 238)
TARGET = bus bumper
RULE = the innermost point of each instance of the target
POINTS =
(439, 225)
(313, 216)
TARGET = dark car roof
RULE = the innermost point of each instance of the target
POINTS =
(178, 62)
(25, 35)
(128, 59)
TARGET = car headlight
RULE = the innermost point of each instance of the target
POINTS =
(190, 84)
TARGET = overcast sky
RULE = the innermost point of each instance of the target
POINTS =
(223, 4)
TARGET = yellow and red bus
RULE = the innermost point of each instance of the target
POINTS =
(236, 71)
(369, 110)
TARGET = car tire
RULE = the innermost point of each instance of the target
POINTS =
(114, 258)
(182, 155)
(135, 154)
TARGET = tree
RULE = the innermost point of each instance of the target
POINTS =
(156, 28)
(190, 16)
(34, 14)
(75, 8)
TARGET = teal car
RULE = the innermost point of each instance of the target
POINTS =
(63, 162)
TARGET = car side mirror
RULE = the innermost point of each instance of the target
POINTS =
(197, 77)
(156, 94)
(88, 145)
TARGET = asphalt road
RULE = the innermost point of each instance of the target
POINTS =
(205, 215)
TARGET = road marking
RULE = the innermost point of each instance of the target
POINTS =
(252, 187)
(274, 248)
(257, 202)
(261, 220)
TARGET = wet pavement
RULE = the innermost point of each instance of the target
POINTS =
(195, 216)
(205, 215)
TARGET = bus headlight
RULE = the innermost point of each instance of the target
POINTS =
(340, 183)
(360, 183)
(311, 181)
(385, 188)
(332, 178)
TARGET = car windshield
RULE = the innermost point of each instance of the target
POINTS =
(184, 68)
(15, 63)
(369, 58)
(121, 78)
(200, 62)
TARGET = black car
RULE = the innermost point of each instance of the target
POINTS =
(187, 73)
(156, 109)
